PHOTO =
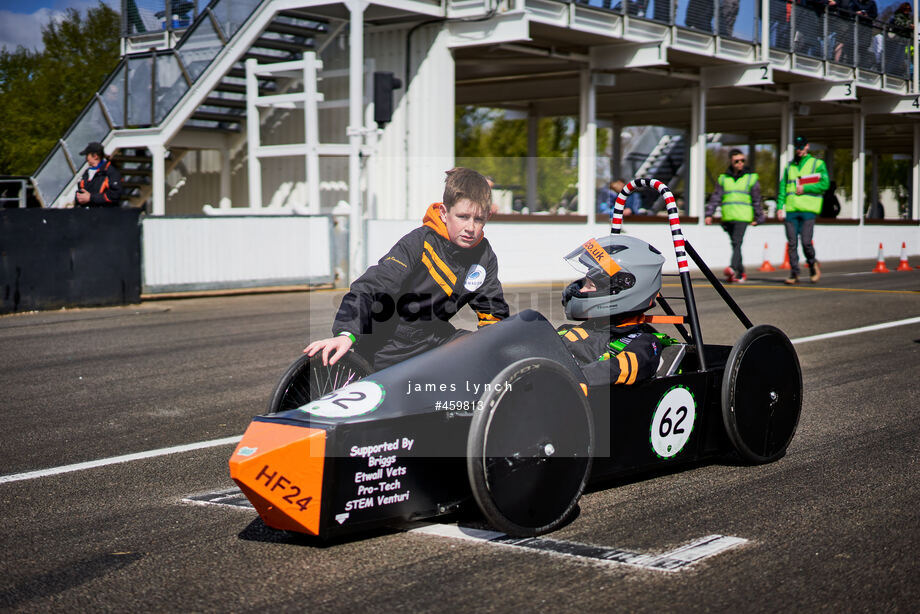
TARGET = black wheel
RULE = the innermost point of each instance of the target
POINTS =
(762, 394)
(307, 379)
(529, 447)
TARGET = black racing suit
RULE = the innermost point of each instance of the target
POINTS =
(400, 307)
(104, 188)
(613, 350)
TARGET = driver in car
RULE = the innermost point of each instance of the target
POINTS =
(622, 277)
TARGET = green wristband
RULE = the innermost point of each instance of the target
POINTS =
(345, 333)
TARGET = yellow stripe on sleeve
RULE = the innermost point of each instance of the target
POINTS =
(634, 368)
(434, 275)
(444, 268)
(624, 368)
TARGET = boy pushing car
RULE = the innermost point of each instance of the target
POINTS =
(401, 306)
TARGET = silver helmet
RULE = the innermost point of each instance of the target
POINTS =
(626, 272)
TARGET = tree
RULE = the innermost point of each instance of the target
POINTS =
(42, 93)
(496, 146)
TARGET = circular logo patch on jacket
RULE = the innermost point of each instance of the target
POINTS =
(475, 277)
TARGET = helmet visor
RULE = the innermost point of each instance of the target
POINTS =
(592, 260)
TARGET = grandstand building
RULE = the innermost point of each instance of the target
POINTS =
(248, 128)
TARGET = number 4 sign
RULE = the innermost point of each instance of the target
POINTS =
(672, 422)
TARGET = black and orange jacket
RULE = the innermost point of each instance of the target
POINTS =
(104, 188)
(423, 281)
(590, 344)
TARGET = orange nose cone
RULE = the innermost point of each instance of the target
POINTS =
(279, 467)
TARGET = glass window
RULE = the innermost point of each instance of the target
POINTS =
(139, 73)
(170, 84)
(199, 48)
(53, 176)
(113, 96)
(231, 14)
(90, 127)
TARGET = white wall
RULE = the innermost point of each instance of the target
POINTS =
(196, 253)
(532, 252)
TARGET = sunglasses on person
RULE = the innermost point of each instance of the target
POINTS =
(739, 160)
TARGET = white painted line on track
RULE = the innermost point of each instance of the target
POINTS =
(30, 475)
(673, 560)
(853, 331)
(41, 473)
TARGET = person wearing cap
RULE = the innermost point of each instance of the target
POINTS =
(100, 185)
(613, 344)
(798, 203)
(738, 193)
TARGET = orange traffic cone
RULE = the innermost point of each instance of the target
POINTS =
(785, 265)
(903, 265)
(766, 267)
(880, 263)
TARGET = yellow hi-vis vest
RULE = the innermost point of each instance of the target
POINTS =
(736, 197)
(804, 202)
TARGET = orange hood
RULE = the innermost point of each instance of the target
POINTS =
(432, 219)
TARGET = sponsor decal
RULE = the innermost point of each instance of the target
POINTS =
(247, 451)
(475, 277)
(341, 518)
(673, 421)
(352, 400)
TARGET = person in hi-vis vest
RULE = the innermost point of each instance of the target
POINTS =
(798, 203)
(738, 193)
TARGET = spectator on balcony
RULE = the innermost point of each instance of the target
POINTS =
(902, 21)
(833, 47)
(100, 185)
(728, 13)
(900, 33)
(809, 31)
(780, 16)
(699, 15)
(864, 12)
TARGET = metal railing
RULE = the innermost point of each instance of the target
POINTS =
(140, 17)
(142, 90)
(795, 27)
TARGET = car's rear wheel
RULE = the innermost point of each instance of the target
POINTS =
(308, 378)
(762, 394)
(529, 448)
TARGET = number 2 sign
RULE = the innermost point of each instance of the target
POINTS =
(672, 422)
(352, 400)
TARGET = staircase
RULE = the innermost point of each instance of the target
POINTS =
(665, 160)
(138, 103)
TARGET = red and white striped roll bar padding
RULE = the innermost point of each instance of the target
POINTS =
(616, 218)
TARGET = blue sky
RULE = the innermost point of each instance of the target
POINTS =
(21, 21)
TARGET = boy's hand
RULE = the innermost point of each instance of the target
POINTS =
(337, 346)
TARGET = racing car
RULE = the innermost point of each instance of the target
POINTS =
(505, 420)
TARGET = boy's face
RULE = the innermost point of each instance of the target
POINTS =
(588, 286)
(464, 222)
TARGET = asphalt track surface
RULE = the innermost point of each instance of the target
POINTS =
(832, 526)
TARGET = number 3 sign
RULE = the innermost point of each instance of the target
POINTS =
(672, 422)
(352, 400)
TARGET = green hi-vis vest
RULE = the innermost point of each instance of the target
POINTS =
(736, 197)
(804, 202)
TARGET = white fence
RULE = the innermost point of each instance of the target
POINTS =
(203, 253)
(532, 252)
(198, 253)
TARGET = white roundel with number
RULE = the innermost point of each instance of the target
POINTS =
(673, 422)
(351, 400)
